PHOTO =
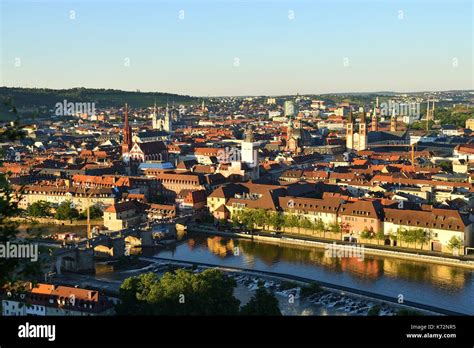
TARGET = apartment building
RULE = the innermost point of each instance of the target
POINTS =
(80, 198)
(54, 300)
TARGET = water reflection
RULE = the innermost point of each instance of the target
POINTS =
(103, 268)
(369, 270)
(438, 285)
(221, 246)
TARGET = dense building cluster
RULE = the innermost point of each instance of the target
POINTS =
(357, 170)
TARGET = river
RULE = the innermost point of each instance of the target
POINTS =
(447, 287)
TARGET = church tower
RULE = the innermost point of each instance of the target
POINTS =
(249, 137)
(350, 132)
(249, 151)
(289, 131)
(155, 121)
(393, 121)
(168, 126)
(429, 114)
(362, 133)
(375, 123)
(127, 134)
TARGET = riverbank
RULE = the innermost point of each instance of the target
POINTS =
(368, 249)
(448, 289)
(332, 295)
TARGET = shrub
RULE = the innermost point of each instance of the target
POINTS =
(310, 289)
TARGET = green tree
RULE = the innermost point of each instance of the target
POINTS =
(380, 236)
(179, 293)
(402, 235)
(235, 219)
(455, 243)
(247, 218)
(446, 166)
(420, 236)
(421, 125)
(319, 225)
(336, 227)
(410, 237)
(409, 312)
(291, 221)
(310, 289)
(66, 212)
(260, 217)
(366, 234)
(8, 228)
(94, 212)
(262, 303)
(307, 224)
(11, 269)
(276, 220)
(133, 294)
(374, 311)
(40, 209)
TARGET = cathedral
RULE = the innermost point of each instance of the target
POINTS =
(135, 153)
(297, 137)
(162, 124)
(358, 139)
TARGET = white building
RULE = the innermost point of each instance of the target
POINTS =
(289, 108)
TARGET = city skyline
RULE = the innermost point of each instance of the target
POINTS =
(212, 48)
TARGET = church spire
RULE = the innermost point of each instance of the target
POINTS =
(155, 117)
(126, 116)
(350, 132)
(393, 121)
(127, 133)
(168, 126)
(375, 124)
(362, 117)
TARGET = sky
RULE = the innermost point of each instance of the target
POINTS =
(238, 47)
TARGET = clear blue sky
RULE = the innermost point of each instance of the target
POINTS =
(277, 55)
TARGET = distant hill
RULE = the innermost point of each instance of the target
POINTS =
(28, 100)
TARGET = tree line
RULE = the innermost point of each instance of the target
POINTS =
(252, 219)
(183, 292)
(64, 211)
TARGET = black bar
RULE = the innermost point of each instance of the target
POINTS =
(138, 331)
